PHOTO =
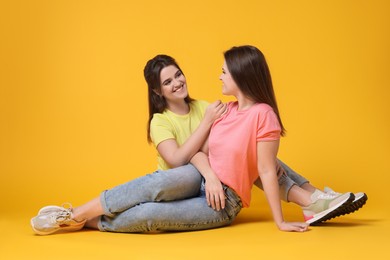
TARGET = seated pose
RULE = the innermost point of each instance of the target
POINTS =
(181, 198)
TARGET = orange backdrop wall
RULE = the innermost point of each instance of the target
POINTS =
(73, 104)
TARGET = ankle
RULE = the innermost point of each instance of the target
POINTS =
(77, 215)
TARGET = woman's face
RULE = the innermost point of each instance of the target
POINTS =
(229, 86)
(173, 84)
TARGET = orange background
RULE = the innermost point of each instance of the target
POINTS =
(73, 104)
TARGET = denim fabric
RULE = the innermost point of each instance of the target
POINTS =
(174, 200)
(173, 184)
(188, 214)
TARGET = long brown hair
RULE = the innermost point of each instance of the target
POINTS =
(250, 71)
(152, 70)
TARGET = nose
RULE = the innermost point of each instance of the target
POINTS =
(175, 82)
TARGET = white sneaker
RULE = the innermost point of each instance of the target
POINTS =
(357, 203)
(55, 219)
(325, 206)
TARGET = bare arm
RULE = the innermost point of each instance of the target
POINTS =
(176, 155)
(267, 166)
(214, 191)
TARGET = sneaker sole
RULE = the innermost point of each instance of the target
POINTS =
(59, 229)
(330, 213)
(354, 206)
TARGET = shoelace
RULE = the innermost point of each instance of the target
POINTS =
(61, 217)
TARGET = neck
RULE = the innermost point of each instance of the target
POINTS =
(180, 108)
(244, 102)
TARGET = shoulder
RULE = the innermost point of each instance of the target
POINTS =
(159, 118)
(263, 108)
(200, 103)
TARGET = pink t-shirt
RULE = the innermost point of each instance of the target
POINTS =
(233, 145)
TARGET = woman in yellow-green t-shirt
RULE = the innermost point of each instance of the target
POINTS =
(178, 126)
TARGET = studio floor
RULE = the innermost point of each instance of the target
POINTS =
(361, 235)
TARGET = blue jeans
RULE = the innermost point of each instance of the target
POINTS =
(172, 200)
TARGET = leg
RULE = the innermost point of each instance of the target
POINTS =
(317, 206)
(183, 215)
(358, 202)
(174, 184)
(293, 175)
(285, 183)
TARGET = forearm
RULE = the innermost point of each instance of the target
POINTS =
(271, 189)
(176, 155)
(201, 162)
(215, 194)
(189, 148)
(267, 166)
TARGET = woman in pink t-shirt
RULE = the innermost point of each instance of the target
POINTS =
(244, 142)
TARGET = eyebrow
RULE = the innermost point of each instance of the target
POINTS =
(168, 79)
(165, 81)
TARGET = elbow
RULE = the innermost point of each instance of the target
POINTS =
(176, 163)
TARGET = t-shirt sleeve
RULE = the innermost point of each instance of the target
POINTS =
(268, 126)
(160, 129)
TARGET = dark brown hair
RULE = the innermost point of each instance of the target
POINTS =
(250, 71)
(152, 70)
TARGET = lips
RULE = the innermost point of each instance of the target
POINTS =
(178, 89)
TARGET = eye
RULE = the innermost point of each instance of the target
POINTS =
(178, 74)
(167, 82)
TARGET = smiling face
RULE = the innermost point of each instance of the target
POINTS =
(229, 86)
(173, 84)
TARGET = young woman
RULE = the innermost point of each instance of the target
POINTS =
(169, 110)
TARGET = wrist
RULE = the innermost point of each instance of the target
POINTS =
(279, 222)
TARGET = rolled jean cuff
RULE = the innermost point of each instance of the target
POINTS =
(285, 185)
(103, 202)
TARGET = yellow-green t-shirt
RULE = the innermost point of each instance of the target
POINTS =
(168, 125)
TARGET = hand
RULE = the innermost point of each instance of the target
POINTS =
(214, 194)
(279, 170)
(293, 226)
(214, 111)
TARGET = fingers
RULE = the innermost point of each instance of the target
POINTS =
(297, 227)
(219, 106)
(222, 199)
(215, 110)
(216, 201)
(300, 228)
(293, 226)
(208, 198)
